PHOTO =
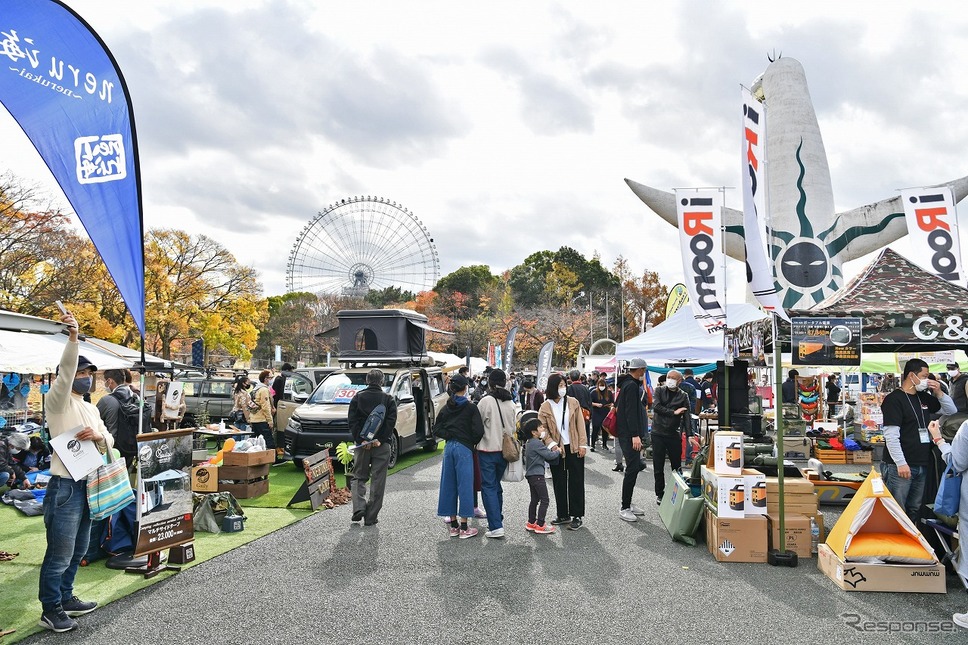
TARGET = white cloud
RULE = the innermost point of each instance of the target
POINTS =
(506, 127)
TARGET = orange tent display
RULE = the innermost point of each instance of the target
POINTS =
(875, 529)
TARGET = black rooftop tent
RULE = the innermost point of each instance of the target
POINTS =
(383, 334)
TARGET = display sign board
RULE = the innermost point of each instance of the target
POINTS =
(826, 341)
(319, 480)
(164, 490)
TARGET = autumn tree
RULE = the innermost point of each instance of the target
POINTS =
(647, 299)
(195, 288)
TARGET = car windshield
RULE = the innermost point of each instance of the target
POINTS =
(341, 388)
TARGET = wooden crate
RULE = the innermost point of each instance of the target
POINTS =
(830, 456)
(244, 482)
(860, 457)
(248, 458)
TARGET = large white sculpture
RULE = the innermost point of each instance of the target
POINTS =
(810, 241)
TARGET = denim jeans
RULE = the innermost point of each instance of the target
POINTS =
(68, 522)
(456, 494)
(493, 466)
(909, 493)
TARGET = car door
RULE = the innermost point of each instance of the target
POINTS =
(297, 391)
(219, 399)
(406, 409)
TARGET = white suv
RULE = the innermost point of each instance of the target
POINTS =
(321, 422)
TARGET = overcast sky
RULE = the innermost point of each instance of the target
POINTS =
(506, 127)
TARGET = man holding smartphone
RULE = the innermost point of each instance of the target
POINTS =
(66, 513)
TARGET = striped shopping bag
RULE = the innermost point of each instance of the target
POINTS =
(108, 488)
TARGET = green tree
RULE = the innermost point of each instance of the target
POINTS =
(387, 297)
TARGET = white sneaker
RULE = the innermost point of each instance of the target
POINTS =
(961, 620)
(627, 515)
(496, 533)
(636, 510)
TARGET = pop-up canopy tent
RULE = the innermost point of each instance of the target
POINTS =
(680, 339)
(31, 345)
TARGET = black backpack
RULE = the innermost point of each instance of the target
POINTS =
(128, 412)
(373, 423)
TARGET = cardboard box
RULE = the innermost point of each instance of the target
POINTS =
(249, 458)
(736, 539)
(757, 494)
(797, 533)
(728, 453)
(791, 486)
(859, 576)
(205, 479)
(246, 490)
(735, 495)
(804, 504)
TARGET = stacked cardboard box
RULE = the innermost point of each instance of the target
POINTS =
(736, 503)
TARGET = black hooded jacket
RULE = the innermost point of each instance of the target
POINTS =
(460, 423)
(631, 419)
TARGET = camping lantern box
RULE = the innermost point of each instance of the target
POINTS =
(728, 453)
(735, 495)
(382, 335)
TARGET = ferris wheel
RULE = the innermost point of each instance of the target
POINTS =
(363, 243)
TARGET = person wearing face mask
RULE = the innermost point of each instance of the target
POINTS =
(66, 514)
(670, 413)
(631, 428)
(109, 408)
(560, 416)
(958, 387)
(460, 425)
(602, 402)
(907, 413)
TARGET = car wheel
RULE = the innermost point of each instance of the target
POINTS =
(297, 463)
(394, 450)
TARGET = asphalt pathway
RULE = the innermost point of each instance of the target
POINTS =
(405, 581)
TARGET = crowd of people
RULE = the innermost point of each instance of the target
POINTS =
(557, 427)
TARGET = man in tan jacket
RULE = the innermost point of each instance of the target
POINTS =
(66, 514)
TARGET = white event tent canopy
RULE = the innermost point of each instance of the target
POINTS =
(680, 339)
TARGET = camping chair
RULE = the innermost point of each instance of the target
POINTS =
(946, 535)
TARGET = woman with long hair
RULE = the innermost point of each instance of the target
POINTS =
(561, 418)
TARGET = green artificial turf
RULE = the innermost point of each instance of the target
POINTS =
(285, 480)
(20, 577)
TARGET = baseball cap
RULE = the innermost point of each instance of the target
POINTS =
(83, 363)
(637, 364)
(458, 383)
(953, 366)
